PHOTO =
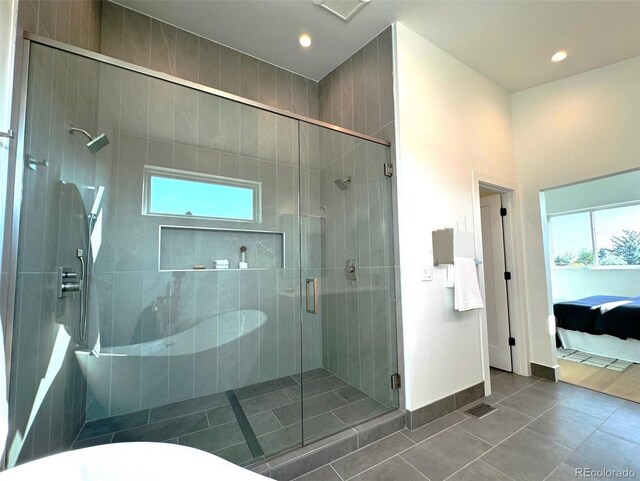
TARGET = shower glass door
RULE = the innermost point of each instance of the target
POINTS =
(348, 281)
(192, 269)
(158, 273)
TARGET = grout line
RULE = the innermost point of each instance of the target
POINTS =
(413, 467)
(365, 447)
(551, 473)
(492, 467)
(407, 437)
(334, 470)
(513, 393)
(610, 434)
(477, 437)
(288, 397)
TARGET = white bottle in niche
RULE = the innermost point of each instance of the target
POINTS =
(243, 260)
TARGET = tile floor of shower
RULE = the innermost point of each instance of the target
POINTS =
(272, 409)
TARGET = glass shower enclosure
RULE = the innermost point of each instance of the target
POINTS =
(192, 268)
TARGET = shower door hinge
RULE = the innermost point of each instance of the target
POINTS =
(388, 170)
(507, 276)
(396, 381)
(512, 341)
(503, 211)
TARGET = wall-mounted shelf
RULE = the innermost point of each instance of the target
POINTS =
(451, 243)
(183, 247)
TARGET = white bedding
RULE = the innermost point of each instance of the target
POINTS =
(602, 345)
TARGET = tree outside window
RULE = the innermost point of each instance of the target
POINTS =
(602, 237)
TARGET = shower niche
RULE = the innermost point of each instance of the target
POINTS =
(199, 248)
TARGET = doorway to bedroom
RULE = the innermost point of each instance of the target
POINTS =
(592, 245)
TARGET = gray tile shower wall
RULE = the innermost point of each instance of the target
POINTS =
(358, 94)
(152, 122)
(76, 22)
(358, 323)
(139, 39)
(63, 90)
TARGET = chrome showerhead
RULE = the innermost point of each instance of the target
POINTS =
(95, 143)
(98, 143)
(343, 184)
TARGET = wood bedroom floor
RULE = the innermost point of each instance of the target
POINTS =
(622, 384)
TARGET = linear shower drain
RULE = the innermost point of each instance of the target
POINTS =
(481, 410)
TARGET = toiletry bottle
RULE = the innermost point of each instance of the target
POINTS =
(243, 260)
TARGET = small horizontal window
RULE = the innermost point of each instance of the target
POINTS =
(191, 194)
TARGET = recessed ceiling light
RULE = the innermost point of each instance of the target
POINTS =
(559, 56)
(305, 40)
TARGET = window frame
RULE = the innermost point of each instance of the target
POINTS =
(151, 171)
(591, 211)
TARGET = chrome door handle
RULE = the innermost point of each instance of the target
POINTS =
(84, 293)
(9, 134)
(312, 295)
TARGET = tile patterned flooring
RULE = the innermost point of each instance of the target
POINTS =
(273, 410)
(541, 431)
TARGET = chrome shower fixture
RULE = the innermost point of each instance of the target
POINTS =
(95, 143)
(343, 184)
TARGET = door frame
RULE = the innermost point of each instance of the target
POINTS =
(14, 193)
(515, 287)
(493, 263)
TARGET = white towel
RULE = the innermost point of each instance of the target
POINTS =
(467, 290)
(450, 282)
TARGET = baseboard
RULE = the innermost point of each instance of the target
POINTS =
(444, 406)
(545, 372)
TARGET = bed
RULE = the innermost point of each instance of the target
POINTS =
(603, 325)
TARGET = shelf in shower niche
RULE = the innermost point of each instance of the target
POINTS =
(183, 247)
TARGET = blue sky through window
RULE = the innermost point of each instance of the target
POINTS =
(571, 233)
(611, 222)
(203, 199)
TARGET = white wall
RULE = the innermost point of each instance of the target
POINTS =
(451, 122)
(615, 189)
(570, 283)
(567, 131)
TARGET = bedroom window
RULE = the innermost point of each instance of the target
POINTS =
(596, 238)
(617, 236)
(181, 193)
(571, 240)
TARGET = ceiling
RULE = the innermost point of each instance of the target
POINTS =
(510, 42)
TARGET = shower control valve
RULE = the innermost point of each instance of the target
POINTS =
(68, 281)
(350, 269)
